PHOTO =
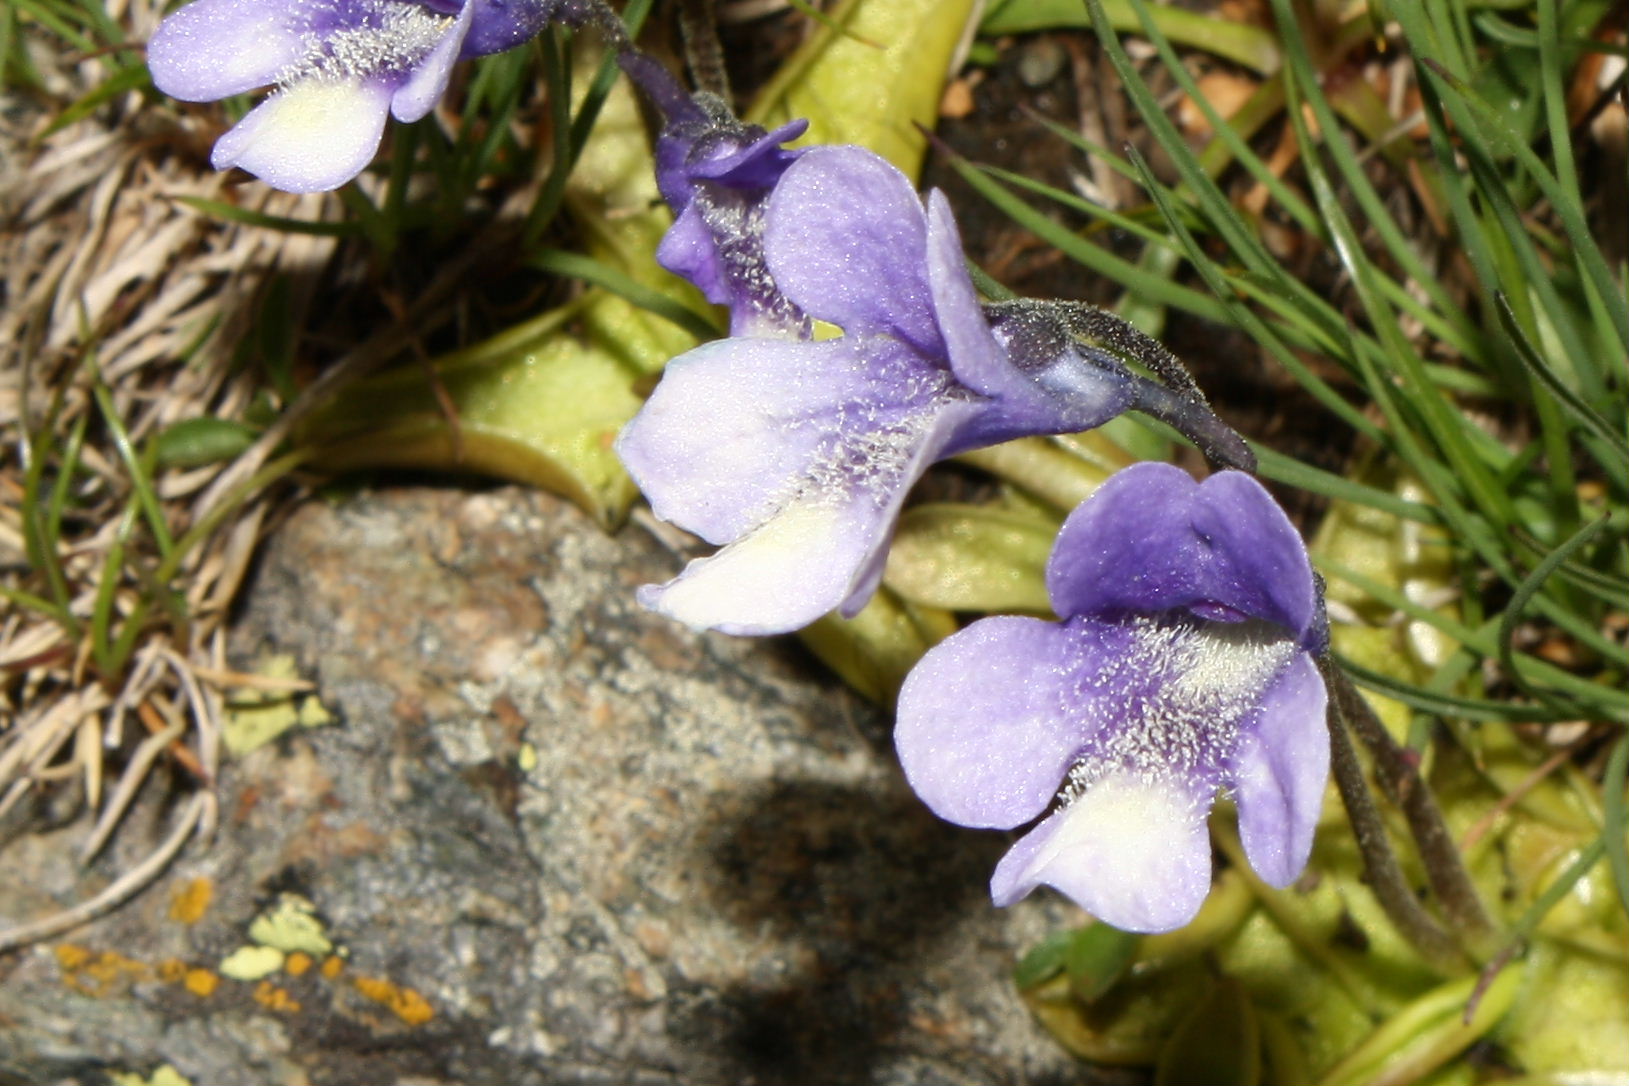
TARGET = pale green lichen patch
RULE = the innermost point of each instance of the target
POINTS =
(255, 717)
(164, 1075)
(291, 925)
(252, 962)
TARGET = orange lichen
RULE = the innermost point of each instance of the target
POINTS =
(72, 956)
(98, 974)
(404, 1003)
(201, 982)
(189, 902)
(298, 964)
(270, 996)
(172, 970)
(332, 966)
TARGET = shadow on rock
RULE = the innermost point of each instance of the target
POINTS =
(862, 887)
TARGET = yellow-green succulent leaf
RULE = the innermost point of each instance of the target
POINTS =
(875, 82)
(960, 557)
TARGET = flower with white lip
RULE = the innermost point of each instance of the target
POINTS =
(1183, 667)
(339, 66)
(796, 454)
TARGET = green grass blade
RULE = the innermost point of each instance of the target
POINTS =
(140, 476)
(1092, 256)
(589, 270)
(1528, 588)
(1582, 412)
(1616, 823)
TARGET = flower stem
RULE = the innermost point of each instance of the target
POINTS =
(1384, 875)
(703, 53)
(1400, 779)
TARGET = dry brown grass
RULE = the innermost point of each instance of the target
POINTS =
(109, 282)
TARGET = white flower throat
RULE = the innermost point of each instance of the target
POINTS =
(1168, 710)
(391, 35)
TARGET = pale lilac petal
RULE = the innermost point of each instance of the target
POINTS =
(312, 137)
(733, 428)
(932, 428)
(846, 240)
(1279, 773)
(980, 733)
(428, 79)
(978, 361)
(1133, 854)
(214, 48)
(1151, 539)
(780, 577)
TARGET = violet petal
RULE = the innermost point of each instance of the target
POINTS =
(733, 428)
(428, 80)
(214, 48)
(979, 730)
(784, 574)
(1279, 773)
(845, 238)
(976, 358)
(1223, 544)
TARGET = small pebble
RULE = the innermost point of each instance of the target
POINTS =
(1040, 62)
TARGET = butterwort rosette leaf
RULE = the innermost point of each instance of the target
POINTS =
(1182, 667)
(795, 455)
(339, 67)
(716, 173)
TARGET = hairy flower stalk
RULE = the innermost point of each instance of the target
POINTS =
(796, 454)
(1183, 666)
(338, 66)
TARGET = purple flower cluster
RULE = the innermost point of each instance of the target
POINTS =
(339, 66)
(1183, 664)
(794, 453)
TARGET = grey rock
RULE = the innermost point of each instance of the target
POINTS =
(598, 847)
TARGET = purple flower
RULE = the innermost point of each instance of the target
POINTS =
(796, 455)
(716, 174)
(1183, 666)
(339, 66)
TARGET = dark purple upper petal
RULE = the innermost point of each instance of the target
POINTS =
(497, 25)
(1151, 539)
